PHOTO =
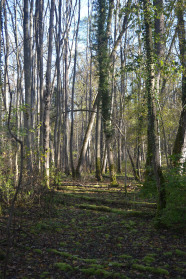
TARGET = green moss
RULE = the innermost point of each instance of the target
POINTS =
(94, 271)
(156, 270)
(63, 254)
(115, 264)
(147, 259)
(120, 238)
(97, 266)
(90, 260)
(63, 266)
(180, 253)
(134, 231)
(125, 256)
(95, 207)
(38, 251)
(62, 244)
(44, 274)
(88, 271)
(107, 236)
(167, 253)
(152, 255)
(103, 273)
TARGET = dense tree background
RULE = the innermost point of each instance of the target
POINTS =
(95, 86)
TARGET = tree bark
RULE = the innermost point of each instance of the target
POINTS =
(47, 99)
(86, 139)
(152, 123)
(179, 150)
(72, 100)
(98, 143)
(27, 75)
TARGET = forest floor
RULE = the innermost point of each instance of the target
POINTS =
(91, 231)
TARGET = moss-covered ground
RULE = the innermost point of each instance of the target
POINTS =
(91, 231)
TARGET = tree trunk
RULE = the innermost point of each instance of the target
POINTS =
(27, 74)
(152, 123)
(57, 130)
(86, 139)
(72, 100)
(47, 98)
(179, 150)
(98, 144)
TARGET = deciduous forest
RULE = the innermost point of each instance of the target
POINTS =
(92, 139)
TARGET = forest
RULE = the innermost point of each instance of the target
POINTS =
(92, 139)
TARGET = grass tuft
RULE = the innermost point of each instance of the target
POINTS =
(63, 266)
(180, 253)
(156, 270)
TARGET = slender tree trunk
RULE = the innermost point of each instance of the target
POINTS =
(72, 101)
(179, 150)
(47, 99)
(159, 51)
(39, 45)
(57, 130)
(86, 139)
(98, 144)
(27, 74)
(66, 143)
(152, 123)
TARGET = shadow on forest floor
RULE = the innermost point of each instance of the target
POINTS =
(91, 231)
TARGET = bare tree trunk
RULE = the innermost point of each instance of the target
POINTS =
(159, 47)
(72, 101)
(67, 170)
(39, 46)
(103, 169)
(27, 74)
(57, 130)
(86, 139)
(98, 144)
(47, 99)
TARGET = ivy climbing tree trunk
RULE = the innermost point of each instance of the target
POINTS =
(179, 150)
(103, 33)
(104, 11)
(152, 123)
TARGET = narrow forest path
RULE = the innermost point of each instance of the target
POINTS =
(91, 231)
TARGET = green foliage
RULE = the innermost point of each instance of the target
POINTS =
(55, 176)
(149, 189)
(168, 253)
(44, 274)
(173, 215)
(38, 251)
(64, 266)
(95, 271)
(148, 259)
(180, 253)
(7, 188)
(47, 225)
(125, 256)
(156, 270)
